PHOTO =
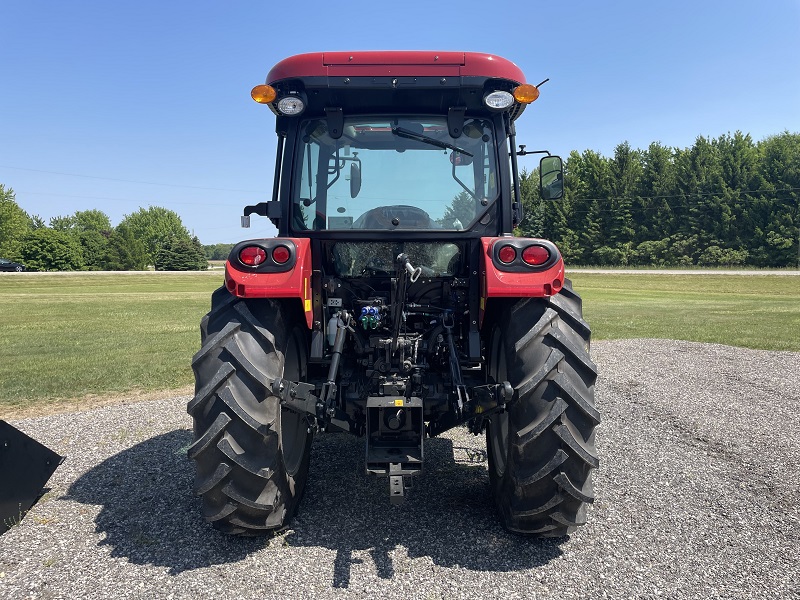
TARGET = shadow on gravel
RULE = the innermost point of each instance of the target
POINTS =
(149, 514)
(448, 514)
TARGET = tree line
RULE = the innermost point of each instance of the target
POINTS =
(727, 201)
(151, 236)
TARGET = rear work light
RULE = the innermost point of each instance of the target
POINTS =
(291, 106)
(252, 256)
(535, 255)
(498, 100)
(281, 254)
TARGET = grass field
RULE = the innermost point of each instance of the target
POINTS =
(75, 336)
(761, 312)
(69, 336)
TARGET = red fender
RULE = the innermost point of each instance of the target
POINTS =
(255, 282)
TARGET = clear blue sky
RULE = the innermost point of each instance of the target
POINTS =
(123, 92)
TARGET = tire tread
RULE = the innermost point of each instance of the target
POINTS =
(546, 484)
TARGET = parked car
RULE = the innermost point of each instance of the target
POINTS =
(8, 265)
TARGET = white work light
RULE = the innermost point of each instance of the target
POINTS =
(291, 106)
(499, 100)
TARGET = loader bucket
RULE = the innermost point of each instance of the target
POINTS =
(25, 467)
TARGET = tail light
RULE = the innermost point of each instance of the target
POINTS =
(252, 256)
(507, 254)
(535, 255)
(522, 255)
(266, 255)
(281, 254)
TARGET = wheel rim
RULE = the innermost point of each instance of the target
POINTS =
(498, 426)
(293, 427)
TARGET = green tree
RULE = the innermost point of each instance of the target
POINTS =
(94, 248)
(777, 217)
(716, 256)
(651, 253)
(591, 191)
(723, 201)
(460, 213)
(201, 261)
(217, 251)
(92, 220)
(154, 226)
(533, 207)
(701, 183)
(653, 209)
(36, 222)
(14, 224)
(123, 251)
(63, 223)
(51, 250)
(626, 173)
(90, 229)
(180, 254)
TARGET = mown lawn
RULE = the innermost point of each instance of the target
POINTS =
(753, 311)
(70, 336)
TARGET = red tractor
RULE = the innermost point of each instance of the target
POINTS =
(395, 302)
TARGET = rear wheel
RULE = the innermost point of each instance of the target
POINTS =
(251, 455)
(541, 451)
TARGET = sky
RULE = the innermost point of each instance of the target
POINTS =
(121, 105)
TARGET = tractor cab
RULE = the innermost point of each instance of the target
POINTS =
(419, 144)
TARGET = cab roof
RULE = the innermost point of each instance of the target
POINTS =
(395, 63)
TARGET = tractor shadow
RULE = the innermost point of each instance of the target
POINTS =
(148, 512)
(150, 516)
(448, 515)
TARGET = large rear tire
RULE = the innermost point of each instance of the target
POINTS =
(541, 451)
(251, 455)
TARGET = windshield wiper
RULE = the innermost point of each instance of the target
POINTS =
(411, 135)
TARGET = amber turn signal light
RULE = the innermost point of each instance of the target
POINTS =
(263, 94)
(526, 93)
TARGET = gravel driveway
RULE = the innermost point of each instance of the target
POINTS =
(697, 497)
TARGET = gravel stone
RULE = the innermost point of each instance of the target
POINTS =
(697, 497)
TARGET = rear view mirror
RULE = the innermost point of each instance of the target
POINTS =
(460, 159)
(551, 178)
(355, 180)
